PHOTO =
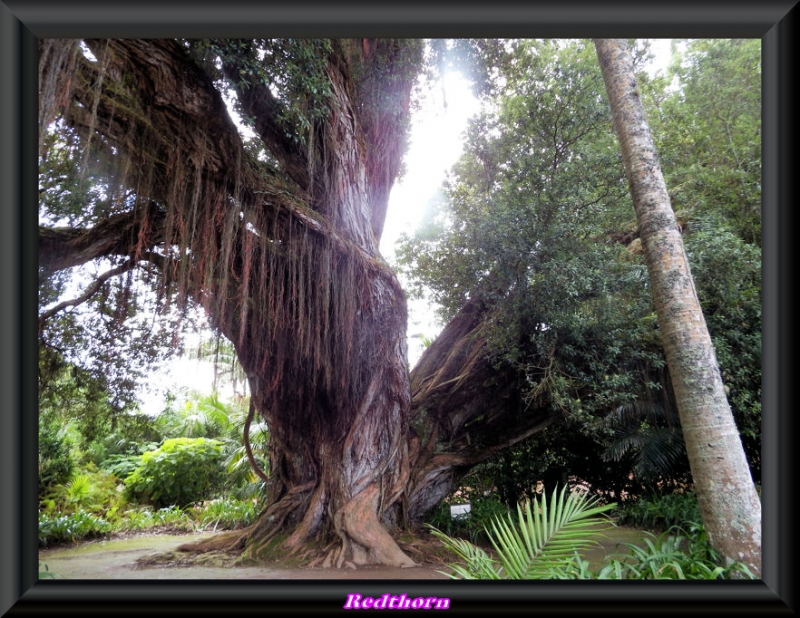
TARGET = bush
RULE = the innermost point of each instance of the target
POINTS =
(120, 465)
(180, 472)
(63, 528)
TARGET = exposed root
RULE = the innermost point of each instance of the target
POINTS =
(369, 542)
(224, 541)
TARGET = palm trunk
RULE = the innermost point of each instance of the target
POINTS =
(729, 504)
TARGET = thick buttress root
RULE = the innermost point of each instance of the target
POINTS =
(364, 539)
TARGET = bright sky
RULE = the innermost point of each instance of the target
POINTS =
(435, 145)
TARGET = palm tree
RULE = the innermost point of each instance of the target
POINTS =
(729, 504)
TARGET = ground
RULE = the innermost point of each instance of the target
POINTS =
(154, 556)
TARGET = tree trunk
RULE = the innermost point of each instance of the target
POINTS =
(465, 409)
(729, 504)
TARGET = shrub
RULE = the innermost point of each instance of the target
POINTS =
(180, 472)
(74, 527)
(473, 524)
(55, 462)
(120, 465)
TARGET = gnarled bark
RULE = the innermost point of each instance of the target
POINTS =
(283, 256)
(464, 408)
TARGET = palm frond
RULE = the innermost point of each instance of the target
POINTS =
(477, 563)
(543, 539)
(547, 536)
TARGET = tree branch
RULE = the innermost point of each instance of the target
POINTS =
(88, 293)
(61, 248)
(258, 102)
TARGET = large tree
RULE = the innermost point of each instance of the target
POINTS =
(278, 246)
(276, 238)
(729, 504)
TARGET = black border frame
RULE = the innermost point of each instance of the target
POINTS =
(23, 22)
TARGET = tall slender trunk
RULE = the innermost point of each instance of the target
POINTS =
(729, 504)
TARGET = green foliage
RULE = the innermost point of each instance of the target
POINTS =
(209, 417)
(88, 489)
(536, 217)
(660, 512)
(708, 133)
(651, 438)
(293, 67)
(226, 513)
(55, 462)
(144, 518)
(181, 471)
(74, 527)
(546, 540)
(727, 275)
(473, 524)
(544, 537)
(526, 221)
(122, 466)
(675, 554)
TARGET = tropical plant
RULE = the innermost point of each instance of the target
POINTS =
(180, 472)
(544, 537)
(121, 465)
(226, 513)
(651, 434)
(70, 528)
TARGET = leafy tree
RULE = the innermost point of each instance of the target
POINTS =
(617, 354)
(708, 133)
(525, 254)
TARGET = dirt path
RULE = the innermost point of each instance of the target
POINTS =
(117, 559)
